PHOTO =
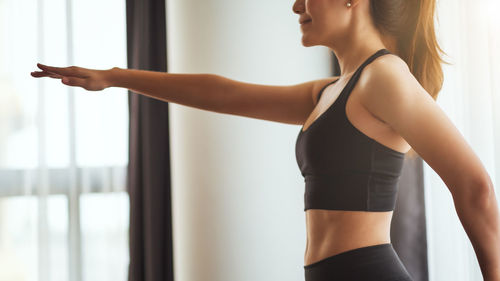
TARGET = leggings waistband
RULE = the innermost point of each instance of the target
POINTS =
(375, 263)
(351, 253)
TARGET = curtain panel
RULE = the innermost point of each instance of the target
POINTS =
(148, 180)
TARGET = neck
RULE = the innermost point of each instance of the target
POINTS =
(361, 41)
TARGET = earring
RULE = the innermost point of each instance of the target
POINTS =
(349, 4)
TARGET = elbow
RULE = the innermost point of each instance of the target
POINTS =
(483, 192)
(476, 192)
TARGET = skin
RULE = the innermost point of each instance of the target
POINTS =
(387, 104)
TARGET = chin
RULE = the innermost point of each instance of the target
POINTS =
(306, 43)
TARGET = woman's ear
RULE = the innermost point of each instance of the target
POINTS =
(354, 3)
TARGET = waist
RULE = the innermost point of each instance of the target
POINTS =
(330, 232)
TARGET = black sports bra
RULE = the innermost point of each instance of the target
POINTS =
(343, 168)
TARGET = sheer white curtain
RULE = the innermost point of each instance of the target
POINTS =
(63, 151)
(469, 32)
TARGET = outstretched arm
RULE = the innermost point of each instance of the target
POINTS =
(287, 104)
(396, 97)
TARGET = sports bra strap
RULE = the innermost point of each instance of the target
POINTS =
(352, 81)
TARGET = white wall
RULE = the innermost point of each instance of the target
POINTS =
(237, 190)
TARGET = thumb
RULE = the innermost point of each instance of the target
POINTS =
(73, 81)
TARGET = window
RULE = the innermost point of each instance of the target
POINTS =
(63, 150)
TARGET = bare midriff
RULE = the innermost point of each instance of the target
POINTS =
(330, 232)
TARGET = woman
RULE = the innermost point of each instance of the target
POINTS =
(356, 130)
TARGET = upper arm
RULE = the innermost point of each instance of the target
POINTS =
(290, 104)
(397, 98)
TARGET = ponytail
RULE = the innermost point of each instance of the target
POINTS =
(411, 22)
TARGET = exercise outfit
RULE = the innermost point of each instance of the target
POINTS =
(344, 169)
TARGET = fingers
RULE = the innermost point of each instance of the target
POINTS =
(73, 76)
(70, 81)
(65, 71)
(38, 74)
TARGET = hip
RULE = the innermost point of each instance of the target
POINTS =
(378, 262)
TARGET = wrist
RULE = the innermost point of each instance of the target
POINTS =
(111, 76)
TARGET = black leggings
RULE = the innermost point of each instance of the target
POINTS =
(372, 263)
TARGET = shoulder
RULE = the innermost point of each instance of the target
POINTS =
(387, 84)
(390, 92)
(319, 84)
(385, 72)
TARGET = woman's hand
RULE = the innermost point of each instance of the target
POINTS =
(89, 79)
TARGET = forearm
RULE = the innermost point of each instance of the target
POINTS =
(204, 91)
(481, 222)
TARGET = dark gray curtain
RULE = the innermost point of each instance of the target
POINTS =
(148, 179)
(408, 230)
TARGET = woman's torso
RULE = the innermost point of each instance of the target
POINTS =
(330, 232)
